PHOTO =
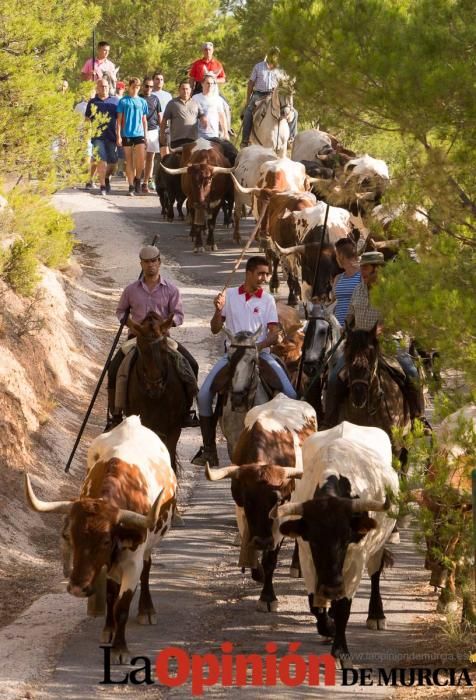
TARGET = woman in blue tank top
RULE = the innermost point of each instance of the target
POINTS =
(346, 282)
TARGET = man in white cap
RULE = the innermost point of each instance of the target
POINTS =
(152, 292)
(366, 317)
(207, 65)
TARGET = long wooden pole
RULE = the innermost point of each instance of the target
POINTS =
(248, 244)
(100, 380)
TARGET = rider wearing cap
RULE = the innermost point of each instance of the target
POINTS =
(366, 317)
(152, 292)
(265, 76)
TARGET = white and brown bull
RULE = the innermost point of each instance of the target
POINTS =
(267, 460)
(204, 170)
(124, 509)
(338, 513)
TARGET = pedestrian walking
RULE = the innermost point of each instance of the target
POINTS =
(154, 117)
(101, 112)
(182, 115)
(132, 133)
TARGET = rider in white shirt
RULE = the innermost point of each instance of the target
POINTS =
(244, 308)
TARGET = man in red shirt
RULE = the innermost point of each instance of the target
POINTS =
(205, 65)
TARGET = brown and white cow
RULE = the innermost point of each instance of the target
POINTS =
(247, 172)
(124, 509)
(204, 171)
(267, 460)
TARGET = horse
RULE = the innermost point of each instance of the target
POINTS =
(271, 117)
(322, 334)
(375, 397)
(240, 384)
(155, 390)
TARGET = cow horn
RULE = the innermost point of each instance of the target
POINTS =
(359, 505)
(292, 250)
(217, 169)
(293, 472)
(174, 171)
(44, 506)
(129, 518)
(289, 509)
(223, 473)
(244, 190)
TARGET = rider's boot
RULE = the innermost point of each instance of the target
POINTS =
(416, 404)
(208, 452)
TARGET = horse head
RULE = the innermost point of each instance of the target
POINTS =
(361, 359)
(152, 329)
(321, 335)
(282, 99)
(243, 368)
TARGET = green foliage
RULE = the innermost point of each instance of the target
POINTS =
(43, 235)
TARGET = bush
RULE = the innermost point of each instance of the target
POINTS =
(44, 235)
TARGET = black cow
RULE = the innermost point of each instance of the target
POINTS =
(169, 187)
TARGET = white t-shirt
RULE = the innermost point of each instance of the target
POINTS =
(212, 106)
(242, 314)
(164, 98)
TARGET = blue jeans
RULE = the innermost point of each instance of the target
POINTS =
(104, 150)
(248, 117)
(205, 395)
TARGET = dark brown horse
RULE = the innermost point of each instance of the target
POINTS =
(374, 397)
(155, 390)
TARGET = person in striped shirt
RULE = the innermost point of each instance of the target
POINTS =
(345, 282)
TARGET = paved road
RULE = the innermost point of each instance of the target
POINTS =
(201, 596)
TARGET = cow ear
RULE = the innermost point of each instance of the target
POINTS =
(361, 526)
(294, 528)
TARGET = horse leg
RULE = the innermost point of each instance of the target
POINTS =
(292, 298)
(273, 262)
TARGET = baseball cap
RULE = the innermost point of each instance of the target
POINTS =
(120, 85)
(207, 45)
(149, 252)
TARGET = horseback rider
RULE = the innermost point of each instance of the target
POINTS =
(244, 308)
(265, 76)
(365, 317)
(150, 293)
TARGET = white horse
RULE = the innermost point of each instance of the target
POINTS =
(272, 117)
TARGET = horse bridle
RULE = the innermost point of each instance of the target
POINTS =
(254, 377)
(368, 383)
(153, 386)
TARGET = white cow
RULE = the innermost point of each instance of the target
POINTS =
(341, 500)
(124, 509)
(247, 171)
(308, 144)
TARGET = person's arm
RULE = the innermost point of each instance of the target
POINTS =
(145, 125)
(118, 129)
(217, 320)
(193, 77)
(176, 306)
(223, 124)
(123, 304)
(271, 337)
(163, 126)
(87, 71)
(220, 75)
(249, 91)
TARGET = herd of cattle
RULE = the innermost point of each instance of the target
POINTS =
(335, 492)
(288, 196)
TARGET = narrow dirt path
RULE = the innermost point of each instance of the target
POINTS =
(201, 596)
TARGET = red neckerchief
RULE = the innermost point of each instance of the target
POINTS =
(248, 296)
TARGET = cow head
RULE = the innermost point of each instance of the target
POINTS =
(258, 488)
(329, 523)
(94, 531)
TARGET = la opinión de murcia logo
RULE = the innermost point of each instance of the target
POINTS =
(175, 667)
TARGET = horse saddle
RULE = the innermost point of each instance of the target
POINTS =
(268, 377)
(129, 348)
(393, 368)
(260, 109)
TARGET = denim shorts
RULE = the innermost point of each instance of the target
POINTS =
(104, 150)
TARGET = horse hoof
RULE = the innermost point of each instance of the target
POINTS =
(147, 619)
(208, 248)
(373, 624)
(294, 572)
(214, 247)
(106, 636)
(266, 606)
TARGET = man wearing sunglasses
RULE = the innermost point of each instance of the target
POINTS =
(154, 117)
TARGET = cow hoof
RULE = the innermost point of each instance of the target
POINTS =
(214, 247)
(149, 618)
(295, 572)
(266, 606)
(199, 249)
(376, 624)
(120, 657)
(106, 636)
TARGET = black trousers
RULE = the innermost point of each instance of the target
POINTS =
(113, 368)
